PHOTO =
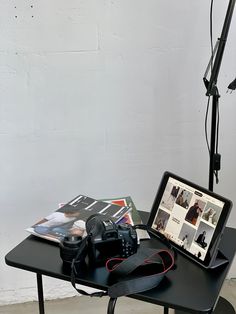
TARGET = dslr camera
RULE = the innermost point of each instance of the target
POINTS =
(107, 239)
(104, 240)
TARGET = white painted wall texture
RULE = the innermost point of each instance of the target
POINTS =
(101, 97)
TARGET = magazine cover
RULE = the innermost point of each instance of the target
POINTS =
(70, 218)
(132, 217)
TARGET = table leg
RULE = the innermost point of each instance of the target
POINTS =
(40, 293)
(111, 306)
(166, 310)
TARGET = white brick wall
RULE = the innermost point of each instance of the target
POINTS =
(100, 98)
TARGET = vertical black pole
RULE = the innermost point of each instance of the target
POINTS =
(213, 141)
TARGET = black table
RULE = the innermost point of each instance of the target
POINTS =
(187, 289)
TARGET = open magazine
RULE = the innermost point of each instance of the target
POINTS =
(131, 217)
(70, 218)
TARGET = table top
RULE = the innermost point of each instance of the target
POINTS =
(188, 287)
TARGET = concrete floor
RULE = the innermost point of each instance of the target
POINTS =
(88, 305)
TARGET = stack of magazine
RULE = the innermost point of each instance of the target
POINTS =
(70, 218)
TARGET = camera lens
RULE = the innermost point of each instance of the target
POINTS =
(72, 241)
(69, 248)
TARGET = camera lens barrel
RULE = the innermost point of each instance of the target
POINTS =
(69, 248)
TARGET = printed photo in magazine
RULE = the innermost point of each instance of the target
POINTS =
(132, 217)
(70, 218)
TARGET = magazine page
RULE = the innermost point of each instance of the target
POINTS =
(70, 218)
(132, 217)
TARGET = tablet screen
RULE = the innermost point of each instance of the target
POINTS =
(190, 216)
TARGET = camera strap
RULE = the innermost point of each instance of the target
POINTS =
(141, 271)
(76, 263)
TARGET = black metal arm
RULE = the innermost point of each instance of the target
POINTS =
(212, 90)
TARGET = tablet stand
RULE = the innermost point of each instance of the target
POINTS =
(219, 260)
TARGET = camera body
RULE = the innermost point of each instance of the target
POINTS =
(104, 240)
(111, 240)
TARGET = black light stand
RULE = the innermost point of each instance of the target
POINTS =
(212, 90)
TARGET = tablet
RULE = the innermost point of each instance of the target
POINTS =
(191, 218)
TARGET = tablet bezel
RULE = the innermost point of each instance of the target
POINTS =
(214, 243)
